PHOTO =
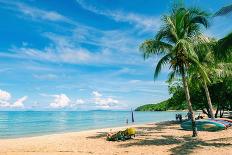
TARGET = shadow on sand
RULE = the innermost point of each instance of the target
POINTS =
(99, 135)
(185, 144)
(160, 126)
(181, 145)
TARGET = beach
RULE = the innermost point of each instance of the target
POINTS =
(153, 138)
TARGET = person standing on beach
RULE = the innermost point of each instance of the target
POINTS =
(132, 116)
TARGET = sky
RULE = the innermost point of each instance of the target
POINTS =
(84, 54)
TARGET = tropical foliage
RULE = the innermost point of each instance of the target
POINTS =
(162, 106)
(220, 92)
(175, 42)
(224, 11)
(197, 63)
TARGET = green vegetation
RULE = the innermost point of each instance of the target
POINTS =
(200, 66)
(221, 96)
(169, 104)
(175, 42)
(162, 106)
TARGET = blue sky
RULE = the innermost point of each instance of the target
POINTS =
(83, 55)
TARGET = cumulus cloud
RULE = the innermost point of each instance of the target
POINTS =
(4, 95)
(5, 100)
(96, 101)
(60, 101)
(79, 102)
(97, 94)
(104, 102)
(19, 102)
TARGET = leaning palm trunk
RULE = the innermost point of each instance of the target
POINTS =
(209, 100)
(194, 128)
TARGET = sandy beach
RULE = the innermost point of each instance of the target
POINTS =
(159, 138)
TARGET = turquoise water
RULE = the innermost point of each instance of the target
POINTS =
(33, 123)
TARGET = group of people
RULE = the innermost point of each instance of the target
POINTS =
(189, 116)
(179, 117)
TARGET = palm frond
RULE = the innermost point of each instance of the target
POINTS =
(224, 11)
(163, 61)
(154, 47)
(199, 17)
(223, 70)
(200, 68)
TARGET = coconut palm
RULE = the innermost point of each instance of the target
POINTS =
(207, 62)
(224, 11)
(174, 42)
(224, 45)
(215, 69)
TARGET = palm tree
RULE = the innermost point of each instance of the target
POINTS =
(224, 45)
(175, 41)
(207, 62)
(215, 69)
(224, 11)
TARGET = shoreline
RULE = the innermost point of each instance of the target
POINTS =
(164, 137)
(85, 131)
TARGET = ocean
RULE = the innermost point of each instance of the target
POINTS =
(14, 124)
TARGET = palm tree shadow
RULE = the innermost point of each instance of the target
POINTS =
(165, 140)
(98, 135)
(185, 145)
(157, 128)
(190, 144)
(160, 126)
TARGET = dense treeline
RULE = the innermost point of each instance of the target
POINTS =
(220, 91)
(162, 106)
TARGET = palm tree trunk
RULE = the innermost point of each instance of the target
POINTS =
(209, 100)
(187, 95)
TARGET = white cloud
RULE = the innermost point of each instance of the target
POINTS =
(104, 102)
(97, 94)
(5, 100)
(35, 13)
(19, 102)
(100, 102)
(79, 102)
(68, 49)
(141, 21)
(60, 101)
(4, 95)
